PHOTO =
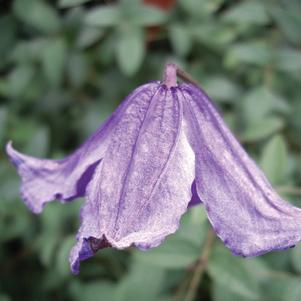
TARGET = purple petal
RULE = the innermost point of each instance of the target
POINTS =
(195, 200)
(45, 180)
(143, 184)
(245, 211)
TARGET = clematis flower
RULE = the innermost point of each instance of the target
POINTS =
(164, 149)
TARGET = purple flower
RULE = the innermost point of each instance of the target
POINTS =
(164, 149)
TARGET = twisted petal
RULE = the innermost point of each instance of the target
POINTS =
(44, 180)
(246, 213)
(143, 184)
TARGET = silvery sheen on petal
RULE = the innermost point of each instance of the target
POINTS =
(163, 150)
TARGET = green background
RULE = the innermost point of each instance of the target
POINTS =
(65, 65)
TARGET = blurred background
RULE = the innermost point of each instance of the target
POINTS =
(64, 67)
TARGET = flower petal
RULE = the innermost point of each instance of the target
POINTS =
(143, 185)
(45, 180)
(195, 200)
(245, 211)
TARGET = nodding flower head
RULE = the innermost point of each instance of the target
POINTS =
(164, 149)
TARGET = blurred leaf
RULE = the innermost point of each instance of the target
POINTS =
(88, 36)
(288, 60)
(146, 15)
(223, 293)
(70, 3)
(130, 50)
(288, 19)
(53, 60)
(100, 290)
(3, 121)
(19, 79)
(262, 129)
(174, 253)
(180, 249)
(38, 14)
(77, 69)
(282, 288)
(103, 16)
(39, 142)
(4, 297)
(62, 263)
(199, 8)
(213, 35)
(133, 286)
(46, 245)
(8, 36)
(28, 51)
(260, 102)
(93, 117)
(180, 38)
(221, 88)
(256, 53)
(296, 258)
(230, 271)
(274, 160)
(247, 12)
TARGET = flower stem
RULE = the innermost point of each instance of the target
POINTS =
(200, 266)
(170, 75)
(185, 76)
(289, 190)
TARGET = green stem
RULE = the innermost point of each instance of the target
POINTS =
(200, 267)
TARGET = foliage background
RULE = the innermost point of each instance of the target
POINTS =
(65, 65)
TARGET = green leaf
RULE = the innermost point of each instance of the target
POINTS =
(296, 258)
(200, 8)
(180, 38)
(247, 12)
(260, 102)
(53, 60)
(175, 253)
(274, 160)
(288, 60)
(212, 34)
(289, 21)
(255, 53)
(70, 3)
(145, 15)
(282, 288)
(19, 79)
(38, 14)
(88, 291)
(223, 293)
(62, 263)
(144, 282)
(262, 129)
(180, 249)
(103, 16)
(130, 50)
(230, 271)
(8, 28)
(39, 142)
(88, 36)
(77, 69)
(221, 88)
(3, 121)
(4, 297)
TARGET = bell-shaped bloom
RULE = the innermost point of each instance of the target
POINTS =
(164, 149)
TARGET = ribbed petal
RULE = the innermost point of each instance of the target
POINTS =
(45, 180)
(245, 211)
(143, 184)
